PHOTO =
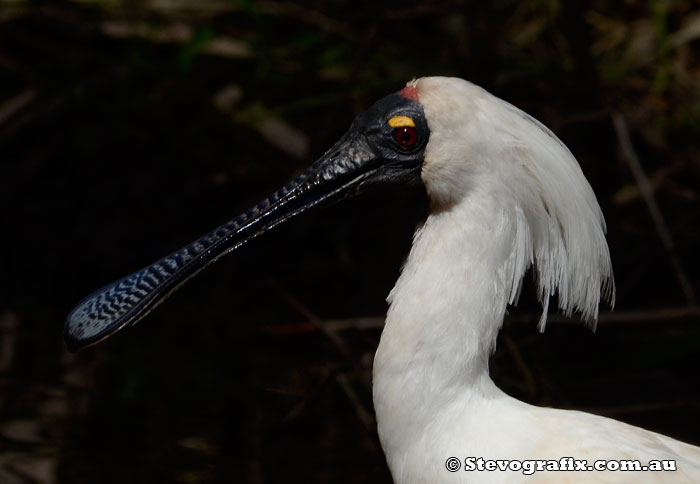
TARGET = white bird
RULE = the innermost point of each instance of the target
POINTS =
(505, 195)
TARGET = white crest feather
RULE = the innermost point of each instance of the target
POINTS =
(555, 221)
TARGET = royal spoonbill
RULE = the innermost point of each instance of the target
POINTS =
(505, 196)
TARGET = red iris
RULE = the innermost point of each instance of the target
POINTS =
(406, 136)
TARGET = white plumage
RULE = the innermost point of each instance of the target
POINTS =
(505, 195)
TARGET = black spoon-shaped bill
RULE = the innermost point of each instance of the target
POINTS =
(368, 153)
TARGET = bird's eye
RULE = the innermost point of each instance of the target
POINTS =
(406, 136)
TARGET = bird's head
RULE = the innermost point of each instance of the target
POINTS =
(447, 133)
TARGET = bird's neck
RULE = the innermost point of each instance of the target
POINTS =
(444, 316)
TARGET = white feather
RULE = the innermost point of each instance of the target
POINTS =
(506, 195)
(555, 220)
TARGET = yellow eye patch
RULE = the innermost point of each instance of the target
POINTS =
(401, 122)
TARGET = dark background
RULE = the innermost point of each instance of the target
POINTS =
(129, 128)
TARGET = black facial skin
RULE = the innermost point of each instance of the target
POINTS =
(367, 155)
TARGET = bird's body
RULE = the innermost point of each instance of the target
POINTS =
(496, 208)
(505, 196)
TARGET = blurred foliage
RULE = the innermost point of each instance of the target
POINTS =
(128, 128)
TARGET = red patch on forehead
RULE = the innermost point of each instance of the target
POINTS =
(409, 93)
